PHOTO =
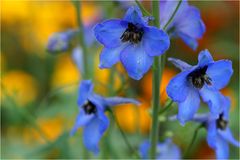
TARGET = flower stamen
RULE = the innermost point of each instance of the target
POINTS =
(198, 77)
(221, 123)
(89, 108)
(132, 34)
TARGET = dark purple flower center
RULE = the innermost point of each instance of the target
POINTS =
(221, 123)
(132, 34)
(198, 77)
(89, 108)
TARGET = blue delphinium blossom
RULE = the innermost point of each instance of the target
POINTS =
(91, 116)
(218, 131)
(131, 41)
(186, 24)
(165, 150)
(204, 79)
(59, 42)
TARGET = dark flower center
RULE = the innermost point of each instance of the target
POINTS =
(132, 34)
(221, 123)
(89, 108)
(199, 76)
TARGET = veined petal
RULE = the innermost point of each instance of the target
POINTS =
(109, 32)
(85, 89)
(227, 136)
(113, 101)
(180, 64)
(178, 88)
(188, 107)
(212, 133)
(155, 41)
(136, 61)
(93, 132)
(220, 72)
(213, 98)
(82, 120)
(204, 58)
(134, 15)
(222, 148)
(110, 56)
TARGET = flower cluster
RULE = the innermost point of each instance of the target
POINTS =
(134, 43)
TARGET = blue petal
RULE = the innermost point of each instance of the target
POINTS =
(168, 150)
(155, 41)
(226, 107)
(109, 32)
(144, 148)
(93, 132)
(190, 23)
(191, 42)
(113, 101)
(134, 15)
(85, 89)
(98, 101)
(213, 98)
(212, 133)
(177, 85)
(180, 64)
(227, 136)
(82, 120)
(220, 72)
(201, 118)
(222, 148)
(189, 106)
(136, 61)
(204, 58)
(110, 56)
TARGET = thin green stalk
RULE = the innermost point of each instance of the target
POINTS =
(168, 106)
(173, 15)
(144, 11)
(164, 56)
(131, 149)
(155, 88)
(193, 140)
(77, 5)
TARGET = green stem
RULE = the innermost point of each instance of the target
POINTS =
(168, 106)
(193, 140)
(173, 15)
(77, 5)
(123, 134)
(155, 88)
(144, 11)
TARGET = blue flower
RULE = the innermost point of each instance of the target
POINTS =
(131, 41)
(165, 150)
(59, 42)
(187, 23)
(205, 80)
(91, 116)
(219, 133)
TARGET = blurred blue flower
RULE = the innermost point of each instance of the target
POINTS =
(131, 41)
(219, 133)
(59, 42)
(187, 23)
(165, 150)
(91, 116)
(204, 79)
(77, 56)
